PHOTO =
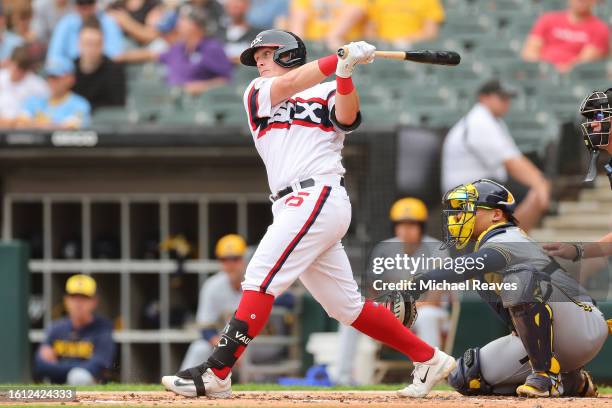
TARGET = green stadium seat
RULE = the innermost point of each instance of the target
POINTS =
(561, 101)
(151, 93)
(232, 117)
(497, 53)
(466, 28)
(533, 133)
(593, 71)
(518, 29)
(468, 75)
(185, 117)
(530, 75)
(548, 5)
(379, 114)
(114, 116)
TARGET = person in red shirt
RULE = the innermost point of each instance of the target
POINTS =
(568, 37)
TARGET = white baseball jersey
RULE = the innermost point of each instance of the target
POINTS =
(297, 138)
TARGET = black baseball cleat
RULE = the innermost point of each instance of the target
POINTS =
(589, 389)
(197, 382)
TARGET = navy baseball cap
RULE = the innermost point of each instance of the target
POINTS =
(167, 22)
(58, 67)
(495, 86)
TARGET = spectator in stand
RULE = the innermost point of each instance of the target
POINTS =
(195, 62)
(568, 37)
(314, 20)
(265, 14)
(136, 18)
(18, 83)
(78, 349)
(397, 22)
(20, 20)
(8, 39)
(167, 35)
(62, 109)
(65, 39)
(480, 146)
(238, 33)
(215, 11)
(98, 79)
(46, 15)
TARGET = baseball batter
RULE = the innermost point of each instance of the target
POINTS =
(556, 327)
(299, 124)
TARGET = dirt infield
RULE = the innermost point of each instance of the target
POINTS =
(372, 399)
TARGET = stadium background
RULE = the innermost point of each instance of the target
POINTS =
(170, 163)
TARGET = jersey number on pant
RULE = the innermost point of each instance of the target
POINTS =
(296, 201)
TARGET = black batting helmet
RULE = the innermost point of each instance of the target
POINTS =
(286, 43)
(597, 110)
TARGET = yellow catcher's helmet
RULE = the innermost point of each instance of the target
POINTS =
(408, 209)
(232, 245)
(459, 208)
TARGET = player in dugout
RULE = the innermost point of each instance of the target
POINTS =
(78, 349)
(409, 216)
(555, 327)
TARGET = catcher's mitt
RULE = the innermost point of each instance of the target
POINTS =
(402, 305)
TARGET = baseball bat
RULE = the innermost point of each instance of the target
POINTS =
(422, 56)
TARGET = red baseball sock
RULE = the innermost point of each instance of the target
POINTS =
(379, 323)
(254, 308)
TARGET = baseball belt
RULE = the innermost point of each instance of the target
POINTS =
(303, 184)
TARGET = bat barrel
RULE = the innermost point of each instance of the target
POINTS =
(434, 57)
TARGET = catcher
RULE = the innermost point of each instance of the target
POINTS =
(556, 329)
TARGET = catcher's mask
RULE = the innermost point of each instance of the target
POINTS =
(597, 109)
(459, 209)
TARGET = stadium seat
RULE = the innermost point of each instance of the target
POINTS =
(529, 75)
(186, 117)
(114, 116)
(533, 132)
(561, 101)
(549, 5)
(466, 29)
(496, 52)
(151, 93)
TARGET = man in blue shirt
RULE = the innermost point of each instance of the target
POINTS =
(63, 109)
(8, 40)
(78, 348)
(65, 39)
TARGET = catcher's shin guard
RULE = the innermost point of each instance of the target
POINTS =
(534, 325)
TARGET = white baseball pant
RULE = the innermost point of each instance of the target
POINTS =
(304, 242)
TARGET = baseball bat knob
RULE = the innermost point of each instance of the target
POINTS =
(342, 52)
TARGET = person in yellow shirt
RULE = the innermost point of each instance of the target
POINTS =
(313, 20)
(398, 22)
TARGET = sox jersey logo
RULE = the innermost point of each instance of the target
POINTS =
(297, 138)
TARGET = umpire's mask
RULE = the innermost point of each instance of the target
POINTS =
(597, 109)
